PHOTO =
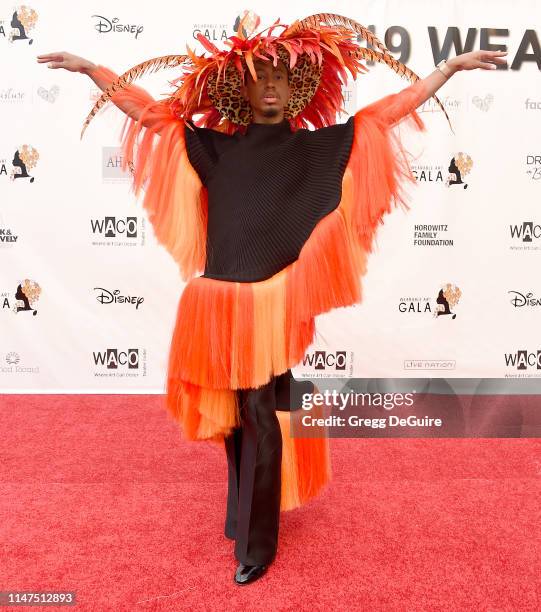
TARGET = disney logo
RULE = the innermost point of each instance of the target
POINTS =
(108, 297)
(105, 25)
(524, 300)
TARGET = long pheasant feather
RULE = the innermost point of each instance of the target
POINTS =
(383, 56)
(332, 19)
(148, 66)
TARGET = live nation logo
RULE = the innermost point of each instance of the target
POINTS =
(121, 363)
(327, 364)
(525, 236)
(443, 305)
(526, 363)
(429, 364)
(118, 231)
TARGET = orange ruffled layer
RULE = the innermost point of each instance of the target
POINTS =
(306, 465)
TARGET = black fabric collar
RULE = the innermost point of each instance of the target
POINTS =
(282, 126)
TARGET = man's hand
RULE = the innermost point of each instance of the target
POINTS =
(487, 60)
(68, 61)
(130, 100)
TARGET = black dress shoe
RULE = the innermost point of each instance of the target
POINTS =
(248, 573)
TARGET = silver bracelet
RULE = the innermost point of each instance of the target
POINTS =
(444, 68)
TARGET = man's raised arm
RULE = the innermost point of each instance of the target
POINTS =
(394, 107)
(132, 100)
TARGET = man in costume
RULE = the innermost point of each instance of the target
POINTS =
(280, 218)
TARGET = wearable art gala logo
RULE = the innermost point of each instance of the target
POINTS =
(459, 166)
(21, 23)
(25, 299)
(24, 159)
(446, 300)
(448, 297)
(216, 32)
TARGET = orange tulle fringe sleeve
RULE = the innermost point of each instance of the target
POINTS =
(378, 163)
(153, 148)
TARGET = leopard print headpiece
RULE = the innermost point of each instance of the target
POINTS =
(323, 49)
(304, 79)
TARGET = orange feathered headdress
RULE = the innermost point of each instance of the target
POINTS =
(318, 51)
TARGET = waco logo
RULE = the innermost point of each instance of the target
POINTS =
(112, 359)
(526, 232)
(325, 360)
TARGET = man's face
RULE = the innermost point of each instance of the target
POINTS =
(268, 96)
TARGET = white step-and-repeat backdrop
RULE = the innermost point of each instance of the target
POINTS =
(87, 297)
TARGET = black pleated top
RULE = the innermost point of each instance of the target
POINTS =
(267, 189)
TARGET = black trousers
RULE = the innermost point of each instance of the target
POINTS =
(254, 463)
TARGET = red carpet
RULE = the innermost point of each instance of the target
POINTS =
(100, 496)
